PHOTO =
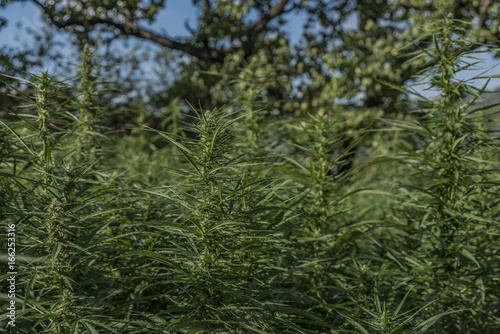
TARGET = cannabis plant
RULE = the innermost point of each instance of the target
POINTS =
(452, 211)
(55, 205)
(211, 249)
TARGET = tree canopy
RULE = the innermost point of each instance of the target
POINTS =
(335, 59)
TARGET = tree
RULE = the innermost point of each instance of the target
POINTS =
(345, 53)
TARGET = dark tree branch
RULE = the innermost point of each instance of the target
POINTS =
(274, 11)
(483, 13)
(188, 27)
(204, 53)
(130, 28)
(207, 6)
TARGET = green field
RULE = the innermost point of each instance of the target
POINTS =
(241, 219)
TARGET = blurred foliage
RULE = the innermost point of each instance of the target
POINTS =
(344, 51)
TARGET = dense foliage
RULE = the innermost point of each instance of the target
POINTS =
(249, 219)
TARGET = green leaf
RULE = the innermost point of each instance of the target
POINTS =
(184, 150)
(19, 138)
(164, 260)
(471, 257)
(426, 324)
(476, 218)
(404, 90)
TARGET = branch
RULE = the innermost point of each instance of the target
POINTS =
(131, 29)
(207, 6)
(188, 27)
(274, 11)
(483, 13)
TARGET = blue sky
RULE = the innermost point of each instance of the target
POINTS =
(171, 20)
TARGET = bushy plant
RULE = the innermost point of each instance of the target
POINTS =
(450, 212)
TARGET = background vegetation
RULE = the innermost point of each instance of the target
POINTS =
(309, 188)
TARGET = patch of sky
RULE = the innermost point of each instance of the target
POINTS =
(176, 19)
(294, 26)
(351, 23)
(25, 26)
